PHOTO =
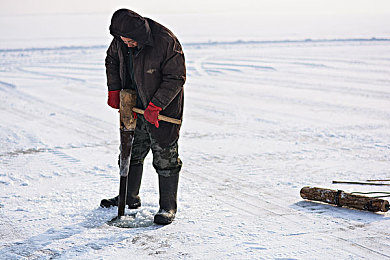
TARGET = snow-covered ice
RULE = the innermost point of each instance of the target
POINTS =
(263, 118)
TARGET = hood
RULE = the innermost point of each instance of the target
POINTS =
(131, 25)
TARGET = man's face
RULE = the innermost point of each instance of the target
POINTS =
(129, 42)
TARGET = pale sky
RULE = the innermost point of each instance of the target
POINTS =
(147, 7)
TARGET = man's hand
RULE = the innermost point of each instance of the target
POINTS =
(151, 114)
(113, 98)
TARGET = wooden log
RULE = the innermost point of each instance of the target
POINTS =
(341, 198)
(128, 99)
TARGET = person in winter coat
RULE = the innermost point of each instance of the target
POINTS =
(147, 57)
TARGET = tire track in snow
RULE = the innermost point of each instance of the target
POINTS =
(64, 240)
(84, 122)
(241, 201)
(50, 76)
(225, 193)
(334, 75)
(6, 84)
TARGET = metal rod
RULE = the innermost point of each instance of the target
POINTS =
(374, 192)
(361, 183)
(382, 196)
(127, 137)
(122, 196)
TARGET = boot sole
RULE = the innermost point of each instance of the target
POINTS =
(160, 220)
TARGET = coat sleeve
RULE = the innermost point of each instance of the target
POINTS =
(173, 72)
(113, 67)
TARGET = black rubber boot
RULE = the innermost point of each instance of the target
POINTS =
(133, 201)
(168, 199)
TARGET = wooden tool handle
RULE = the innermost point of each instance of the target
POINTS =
(161, 117)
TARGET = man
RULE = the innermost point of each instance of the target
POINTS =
(147, 57)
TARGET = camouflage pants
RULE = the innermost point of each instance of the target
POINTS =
(166, 160)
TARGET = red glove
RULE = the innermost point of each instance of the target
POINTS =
(113, 98)
(151, 114)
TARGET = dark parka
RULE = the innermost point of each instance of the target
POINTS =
(159, 68)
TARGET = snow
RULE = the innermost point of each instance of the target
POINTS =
(264, 117)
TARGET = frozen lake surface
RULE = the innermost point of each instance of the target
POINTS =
(262, 120)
